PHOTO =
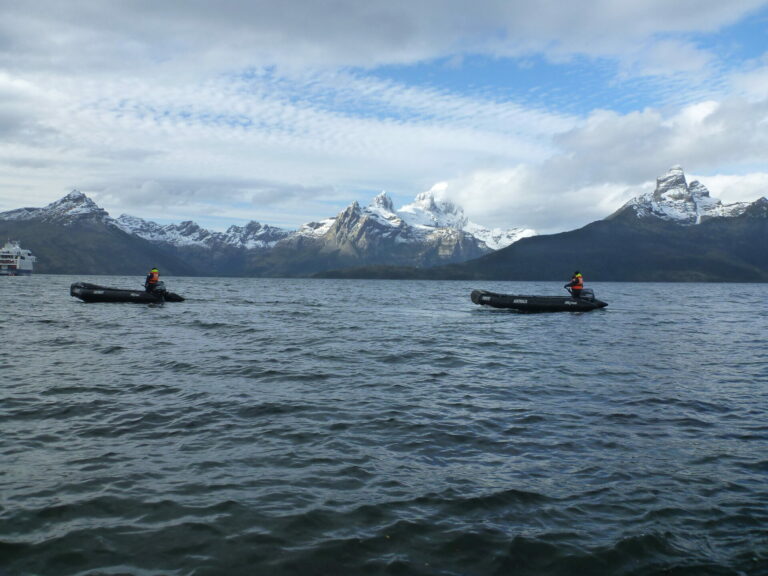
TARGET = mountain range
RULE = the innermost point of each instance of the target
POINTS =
(75, 235)
(678, 232)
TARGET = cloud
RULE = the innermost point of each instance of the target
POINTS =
(327, 135)
(533, 197)
(271, 110)
(751, 82)
(667, 56)
(90, 35)
(176, 194)
(610, 157)
(23, 109)
(732, 188)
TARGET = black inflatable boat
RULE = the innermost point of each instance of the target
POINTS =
(95, 293)
(583, 303)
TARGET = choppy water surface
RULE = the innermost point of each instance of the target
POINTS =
(374, 427)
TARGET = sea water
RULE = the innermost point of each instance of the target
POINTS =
(276, 426)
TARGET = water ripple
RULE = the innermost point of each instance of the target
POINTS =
(315, 427)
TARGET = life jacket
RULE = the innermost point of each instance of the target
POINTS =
(577, 282)
(153, 277)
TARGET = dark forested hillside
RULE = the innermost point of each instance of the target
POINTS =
(90, 248)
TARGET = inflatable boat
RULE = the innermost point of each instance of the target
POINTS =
(95, 293)
(583, 303)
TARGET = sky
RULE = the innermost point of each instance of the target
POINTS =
(546, 115)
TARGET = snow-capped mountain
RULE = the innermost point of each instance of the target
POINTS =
(188, 233)
(678, 232)
(676, 200)
(255, 235)
(425, 217)
(428, 232)
(428, 211)
(74, 207)
(377, 235)
(424, 220)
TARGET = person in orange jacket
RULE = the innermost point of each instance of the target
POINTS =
(576, 285)
(152, 279)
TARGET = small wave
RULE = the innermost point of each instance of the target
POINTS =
(111, 349)
(269, 409)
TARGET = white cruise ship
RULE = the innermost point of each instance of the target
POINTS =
(15, 260)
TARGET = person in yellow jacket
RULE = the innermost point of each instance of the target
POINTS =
(152, 279)
(576, 285)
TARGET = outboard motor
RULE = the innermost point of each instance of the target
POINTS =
(587, 294)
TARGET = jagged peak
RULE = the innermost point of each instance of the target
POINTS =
(676, 200)
(75, 194)
(73, 206)
(353, 208)
(672, 185)
(758, 208)
(383, 202)
(129, 220)
(698, 190)
(430, 215)
(348, 216)
(190, 227)
(432, 200)
(431, 208)
(75, 197)
(254, 226)
(426, 200)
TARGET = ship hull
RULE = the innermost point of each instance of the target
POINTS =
(9, 272)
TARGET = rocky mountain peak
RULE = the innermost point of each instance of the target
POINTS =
(76, 196)
(189, 227)
(676, 200)
(431, 230)
(430, 201)
(348, 218)
(672, 185)
(74, 207)
(383, 202)
(428, 209)
(254, 235)
(426, 200)
(75, 201)
(698, 190)
(757, 209)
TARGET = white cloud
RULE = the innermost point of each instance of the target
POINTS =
(90, 35)
(752, 83)
(611, 157)
(663, 57)
(250, 109)
(533, 197)
(110, 136)
(735, 187)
